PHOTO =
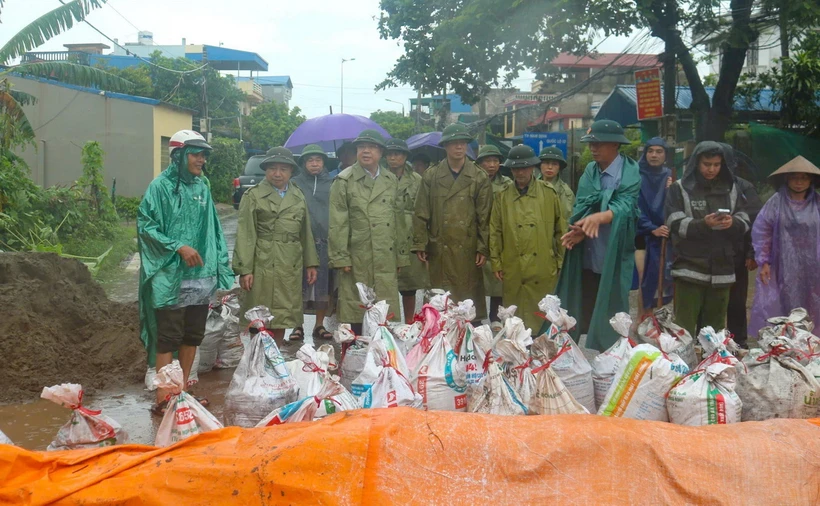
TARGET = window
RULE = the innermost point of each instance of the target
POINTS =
(753, 54)
(164, 157)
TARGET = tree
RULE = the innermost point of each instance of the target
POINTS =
(15, 129)
(271, 123)
(483, 38)
(225, 164)
(398, 126)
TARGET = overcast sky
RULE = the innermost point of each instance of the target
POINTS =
(305, 39)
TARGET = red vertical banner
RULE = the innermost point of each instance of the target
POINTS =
(648, 87)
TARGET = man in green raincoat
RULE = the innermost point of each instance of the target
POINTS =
(451, 223)
(552, 163)
(274, 242)
(414, 277)
(367, 236)
(489, 159)
(184, 258)
(526, 227)
(597, 271)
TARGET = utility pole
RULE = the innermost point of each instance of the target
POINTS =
(482, 114)
(669, 123)
(343, 82)
(418, 111)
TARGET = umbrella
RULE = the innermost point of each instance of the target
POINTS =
(427, 144)
(330, 131)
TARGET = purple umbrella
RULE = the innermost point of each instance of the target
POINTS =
(427, 144)
(330, 131)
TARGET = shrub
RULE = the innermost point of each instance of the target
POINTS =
(224, 165)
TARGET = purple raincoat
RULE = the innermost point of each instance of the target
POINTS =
(786, 235)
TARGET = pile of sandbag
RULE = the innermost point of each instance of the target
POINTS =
(606, 365)
(661, 322)
(184, 416)
(85, 428)
(311, 370)
(222, 346)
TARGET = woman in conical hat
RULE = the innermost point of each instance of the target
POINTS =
(786, 241)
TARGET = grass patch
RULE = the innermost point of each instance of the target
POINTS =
(124, 243)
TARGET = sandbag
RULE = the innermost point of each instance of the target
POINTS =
(605, 366)
(797, 329)
(214, 331)
(373, 315)
(706, 397)
(512, 348)
(776, 385)
(717, 347)
(354, 353)
(232, 345)
(431, 325)
(642, 382)
(261, 382)
(391, 388)
(551, 396)
(4, 440)
(86, 428)
(572, 366)
(494, 395)
(306, 409)
(372, 365)
(311, 370)
(437, 377)
(185, 416)
(660, 322)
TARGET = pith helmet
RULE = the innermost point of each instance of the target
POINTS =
(371, 136)
(489, 150)
(310, 150)
(605, 130)
(397, 145)
(521, 157)
(553, 153)
(278, 155)
(455, 132)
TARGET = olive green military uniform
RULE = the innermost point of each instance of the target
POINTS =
(414, 276)
(274, 242)
(367, 233)
(491, 284)
(451, 224)
(565, 195)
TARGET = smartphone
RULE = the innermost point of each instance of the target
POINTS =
(723, 212)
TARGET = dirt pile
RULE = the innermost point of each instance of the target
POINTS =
(58, 326)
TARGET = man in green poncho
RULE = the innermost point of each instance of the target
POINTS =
(367, 239)
(597, 271)
(526, 227)
(184, 258)
(413, 277)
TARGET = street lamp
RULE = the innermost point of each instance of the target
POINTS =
(343, 81)
(397, 102)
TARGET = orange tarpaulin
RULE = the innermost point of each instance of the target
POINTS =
(406, 456)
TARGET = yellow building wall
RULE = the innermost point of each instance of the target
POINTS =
(167, 122)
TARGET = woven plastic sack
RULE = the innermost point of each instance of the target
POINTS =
(232, 345)
(86, 428)
(4, 440)
(306, 409)
(374, 313)
(494, 395)
(185, 416)
(551, 396)
(513, 352)
(214, 331)
(391, 388)
(777, 385)
(261, 382)
(311, 370)
(354, 353)
(661, 322)
(605, 366)
(437, 377)
(643, 380)
(797, 329)
(431, 325)
(372, 366)
(718, 347)
(706, 397)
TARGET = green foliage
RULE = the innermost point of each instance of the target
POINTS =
(398, 126)
(127, 207)
(92, 180)
(271, 123)
(226, 163)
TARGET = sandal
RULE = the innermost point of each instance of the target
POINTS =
(202, 400)
(297, 335)
(160, 408)
(321, 332)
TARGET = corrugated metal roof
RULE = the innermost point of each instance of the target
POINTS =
(269, 80)
(598, 60)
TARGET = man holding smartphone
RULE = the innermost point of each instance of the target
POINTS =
(706, 219)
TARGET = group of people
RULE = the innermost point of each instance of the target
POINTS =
(307, 236)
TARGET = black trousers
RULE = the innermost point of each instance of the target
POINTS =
(590, 281)
(736, 313)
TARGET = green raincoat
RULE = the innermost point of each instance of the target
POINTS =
(176, 210)
(524, 231)
(274, 242)
(414, 276)
(565, 195)
(452, 225)
(492, 286)
(616, 275)
(367, 234)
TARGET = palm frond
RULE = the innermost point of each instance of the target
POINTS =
(72, 73)
(12, 116)
(47, 26)
(23, 98)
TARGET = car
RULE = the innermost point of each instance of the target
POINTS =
(250, 177)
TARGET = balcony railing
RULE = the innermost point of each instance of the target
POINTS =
(77, 57)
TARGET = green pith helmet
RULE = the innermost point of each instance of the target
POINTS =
(310, 150)
(605, 130)
(489, 150)
(279, 155)
(455, 132)
(521, 157)
(397, 145)
(371, 136)
(553, 153)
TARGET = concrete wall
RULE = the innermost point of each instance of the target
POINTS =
(167, 122)
(65, 119)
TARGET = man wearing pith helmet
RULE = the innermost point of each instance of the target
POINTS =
(597, 273)
(490, 159)
(367, 232)
(451, 223)
(525, 236)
